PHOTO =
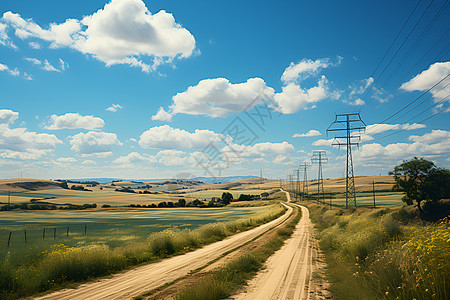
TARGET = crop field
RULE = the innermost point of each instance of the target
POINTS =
(110, 227)
(382, 199)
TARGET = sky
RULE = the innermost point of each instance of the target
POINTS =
(178, 89)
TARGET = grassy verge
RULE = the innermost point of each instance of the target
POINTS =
(62, 265)
(383, 253)
(227, 280)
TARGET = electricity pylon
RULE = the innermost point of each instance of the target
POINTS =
(319, 157)
(350, 123)
(304, 167)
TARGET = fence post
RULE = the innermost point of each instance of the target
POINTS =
(43, 234)
(67, 231)
(54, 233)
(85, 227)
(25, 232)
(9, 238)
(373, 192)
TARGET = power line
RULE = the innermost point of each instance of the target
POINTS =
(395, 54)
(394, 133)
(417, 41)
(397, 112)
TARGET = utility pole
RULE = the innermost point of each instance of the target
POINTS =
(297, 185)
(9, 199)
(349, 123)
(304, 166)
(319, 157)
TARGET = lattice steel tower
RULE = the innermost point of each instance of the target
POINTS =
(304, 166)
(319, 157)
(350, 123)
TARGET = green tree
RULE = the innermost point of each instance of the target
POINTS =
(181, 202)
(226, 198)
(421, 180)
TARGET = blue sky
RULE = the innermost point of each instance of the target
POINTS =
(146, 89)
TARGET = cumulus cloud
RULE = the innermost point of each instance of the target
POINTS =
(323, 142)
(94, 143)
(310, 133)
(88, 162)
(304, 69)
(122, 32)
(134, 158)
(259, 149)
(218, 97)
(8, 116)
(428, 78)
(434, 136)
(167, 137)
(114, 107)
(75, 121)
(19, 143)
(162, 115)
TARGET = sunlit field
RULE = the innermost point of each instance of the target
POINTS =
(111, 227)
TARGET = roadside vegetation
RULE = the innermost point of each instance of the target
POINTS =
(62, 265)
(226, 280)
(391, 253)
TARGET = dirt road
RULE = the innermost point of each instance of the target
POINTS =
(288, 272)
(145, 278)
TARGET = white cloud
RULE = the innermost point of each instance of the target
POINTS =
(4, 38)
(63, 65)
(357, 102)
(120, 33)
(323, 142)
(378, 128)
(434, 136)
(18, 143)
(27, 76)
(33, 60)
(134, 158)
(293, 97)
(429, 78)
(93, 142)
(13, 72)
(48, 67)
(259, 149)
(66, 159)
(8, 116)
(218, 97)
(167, 137)
(304, 69)
(88, 162)
(162, 115)
(114, 107)
(74, 121)
(34, 45)
(310, 133)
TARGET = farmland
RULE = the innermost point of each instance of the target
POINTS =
(110, 227)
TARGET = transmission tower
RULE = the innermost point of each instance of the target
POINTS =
(319, 157)
(350, 123)
(304, 167)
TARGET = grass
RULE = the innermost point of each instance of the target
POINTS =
(62, 264)
(226, 280)
(383, 253)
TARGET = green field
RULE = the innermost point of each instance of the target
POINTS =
(382, 199)
(110, 227)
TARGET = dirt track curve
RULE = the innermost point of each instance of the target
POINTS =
(137, 281)
(288, 272)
